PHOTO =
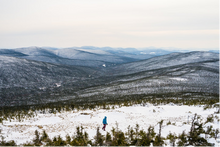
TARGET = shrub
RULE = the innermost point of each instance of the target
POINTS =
(210, 119)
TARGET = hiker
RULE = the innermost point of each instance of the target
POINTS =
(104, 123)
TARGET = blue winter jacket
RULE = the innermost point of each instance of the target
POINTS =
(105, 120)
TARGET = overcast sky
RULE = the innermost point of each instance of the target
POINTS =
(115, 23)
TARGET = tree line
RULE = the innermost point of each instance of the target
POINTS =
(23, 112)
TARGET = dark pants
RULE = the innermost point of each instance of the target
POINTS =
(103, 128)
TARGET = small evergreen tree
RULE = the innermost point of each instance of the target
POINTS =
(108, 139)
(60, 141)
(130, 135)
(194, 134)
(135, 141)
(118, 138)
(144, 138)
(37, 140)
(99, 138)
(68, 139)
(80, 139)
(159, 140)
(172, 138)
(182, 139)
(151, 134)
(44, 135)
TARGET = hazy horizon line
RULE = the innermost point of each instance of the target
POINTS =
(105, 47)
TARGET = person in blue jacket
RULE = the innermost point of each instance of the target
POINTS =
(104, 123)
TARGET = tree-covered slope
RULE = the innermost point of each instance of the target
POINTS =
(28, 82)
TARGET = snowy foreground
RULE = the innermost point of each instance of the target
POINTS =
(65, 122)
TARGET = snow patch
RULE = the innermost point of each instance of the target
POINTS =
(58, 85)
(152, 53)
(145, 115)
(179, 79)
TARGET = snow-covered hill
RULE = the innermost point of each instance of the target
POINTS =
(145, 115)
(165, 61)
(92, 55)
(71, 56)
(35, 51)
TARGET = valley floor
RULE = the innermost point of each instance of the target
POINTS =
(145, 115)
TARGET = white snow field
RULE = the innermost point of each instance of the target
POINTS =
(145, 115)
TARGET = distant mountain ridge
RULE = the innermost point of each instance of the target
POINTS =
(36, 76)
(172, 59)
(80, 57)
(86, 55)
